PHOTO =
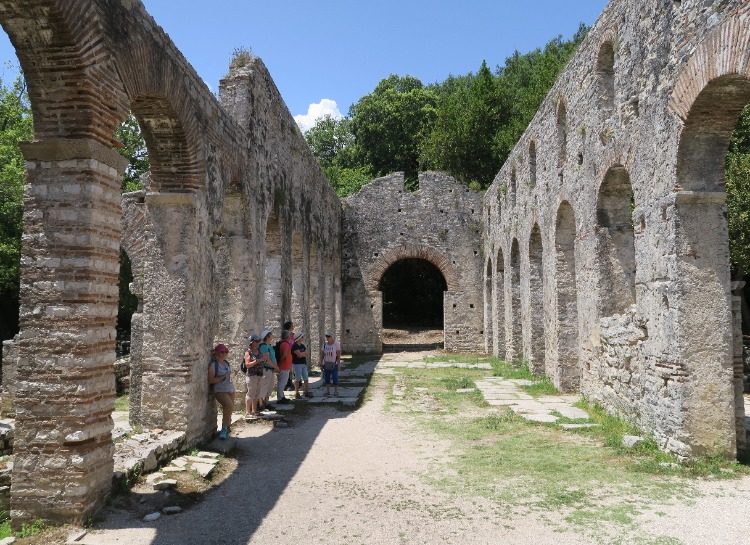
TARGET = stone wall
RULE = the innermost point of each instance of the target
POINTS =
(614, 195)
(384, 223)
(196, 236)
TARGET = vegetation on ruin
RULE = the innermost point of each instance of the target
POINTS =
(15, 126)
(128, 133)
(737, 177)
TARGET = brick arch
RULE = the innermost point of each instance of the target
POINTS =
(440, 261)
(74, 90)
(725, 51)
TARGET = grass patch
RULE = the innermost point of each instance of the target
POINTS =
(5, 529)
(122, 403)
(542, 387)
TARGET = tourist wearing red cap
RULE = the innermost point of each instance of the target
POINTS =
(220, 377)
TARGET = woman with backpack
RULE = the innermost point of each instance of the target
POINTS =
(220, 378)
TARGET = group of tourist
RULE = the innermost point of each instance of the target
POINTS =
(261, 362)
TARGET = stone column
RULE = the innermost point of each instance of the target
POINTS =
(69, 269)
(739, 374)
(180, 310)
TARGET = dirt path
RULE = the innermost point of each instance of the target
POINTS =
(357, 478)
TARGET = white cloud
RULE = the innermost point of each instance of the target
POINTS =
(315, 111)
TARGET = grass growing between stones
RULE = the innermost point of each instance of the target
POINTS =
(587, 478)
(122, 403)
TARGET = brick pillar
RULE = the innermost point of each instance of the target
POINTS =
(739, 375)
(66, 387)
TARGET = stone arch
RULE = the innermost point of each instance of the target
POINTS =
(514, 343)
(535, 351)
(50, 35)
(488, 320)
(709, 95)
(498, 306)
(616, 236)
(388, 258)
(605, 75)
(72, 246)
(173, 156)
(566, 372)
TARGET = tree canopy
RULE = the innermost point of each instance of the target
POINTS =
(465, 125)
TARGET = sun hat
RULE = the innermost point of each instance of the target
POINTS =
(266, 333)
(253, 338)
(329, 335)
(221, 348)
(299, 335)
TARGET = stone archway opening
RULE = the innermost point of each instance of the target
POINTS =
(711, 183)
(413, 313)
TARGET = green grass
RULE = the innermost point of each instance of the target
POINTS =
(5, 529)
(541, 387)
(122, 403)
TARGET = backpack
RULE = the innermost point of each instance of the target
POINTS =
(277, 351)
(243, 367)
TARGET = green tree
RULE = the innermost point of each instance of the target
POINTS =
(737, 175)
(15, 126)
(467, 120)
(135, 151)
(391, 123)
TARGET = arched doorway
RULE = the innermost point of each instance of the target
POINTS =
(709, 314)
(413, 313)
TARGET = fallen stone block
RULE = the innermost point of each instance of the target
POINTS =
(179, 462)
(204, 470)
(165, 484)
(629, 441)
(578, 426)
(201, 460)
(171, 469)
(152, 517)
(206, 454)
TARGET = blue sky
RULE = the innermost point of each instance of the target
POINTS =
(339, 49)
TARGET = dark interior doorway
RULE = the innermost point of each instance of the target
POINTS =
(412, 305)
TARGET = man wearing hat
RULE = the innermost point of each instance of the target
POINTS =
(299, 361)
(330, 361)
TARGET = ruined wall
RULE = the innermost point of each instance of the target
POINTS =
(195, 236)
(384, 223)
(635, 306)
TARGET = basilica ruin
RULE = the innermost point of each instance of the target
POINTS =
(599, 255)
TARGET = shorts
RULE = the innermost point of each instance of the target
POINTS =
(331, 376)
(266, 384)
(300, 372)
(253, 384)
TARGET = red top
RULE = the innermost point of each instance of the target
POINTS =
(285, 361)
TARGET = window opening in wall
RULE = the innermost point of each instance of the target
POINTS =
(713, 157)
(566, 374)
(535, 352)
(513, 186)
(488, 306)
(514, 351)
(562, 134)
(498, 305)
(614, 212)
(605, 72)
(532, 163)
(271, 287)
(413, 291)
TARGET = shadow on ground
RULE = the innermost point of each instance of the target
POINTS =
(233, 511)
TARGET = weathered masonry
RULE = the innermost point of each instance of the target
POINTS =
(606, 253)
(385, 223)
(598, 256)
(230, 186)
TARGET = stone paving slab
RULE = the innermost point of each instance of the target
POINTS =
(498, 392)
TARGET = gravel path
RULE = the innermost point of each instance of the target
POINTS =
(339, 477)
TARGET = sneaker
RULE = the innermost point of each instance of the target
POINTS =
(282, 401)
(223, 434)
